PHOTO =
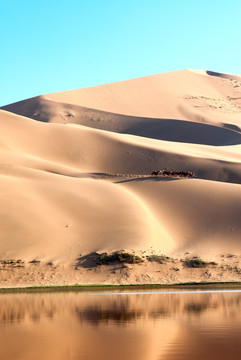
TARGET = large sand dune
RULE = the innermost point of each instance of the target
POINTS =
(79, 180)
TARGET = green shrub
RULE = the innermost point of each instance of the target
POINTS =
(196, 262)
(175, 269)
(12, 262)
(118, 256)
(161, 259)
(34, 261)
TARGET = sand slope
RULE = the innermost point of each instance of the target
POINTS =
(79, 179)
(188, 95)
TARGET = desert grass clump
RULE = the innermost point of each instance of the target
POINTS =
(12, 262)
(117, 256)
(161, 259)
(8, 262)
(197, 262)
(34, 261)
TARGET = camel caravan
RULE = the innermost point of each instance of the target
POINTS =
(185, 174)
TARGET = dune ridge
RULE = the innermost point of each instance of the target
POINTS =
(75, 173)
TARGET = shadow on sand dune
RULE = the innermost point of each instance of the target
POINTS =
(187, 132)
(175, 130)
(151, 178)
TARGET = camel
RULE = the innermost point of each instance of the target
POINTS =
(155, 172)
(174, 173)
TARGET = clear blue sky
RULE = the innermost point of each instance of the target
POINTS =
(55, 45)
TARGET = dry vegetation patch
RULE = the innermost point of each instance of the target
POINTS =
(11, 263)
(161, 259)
(197, 262)
(119, 257)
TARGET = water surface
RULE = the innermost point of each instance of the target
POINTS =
(121, 326)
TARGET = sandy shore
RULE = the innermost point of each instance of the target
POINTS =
(171, 271)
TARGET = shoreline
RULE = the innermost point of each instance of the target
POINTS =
(103, 272)
(93, 287)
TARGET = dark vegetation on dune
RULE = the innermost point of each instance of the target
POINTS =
(196, 262)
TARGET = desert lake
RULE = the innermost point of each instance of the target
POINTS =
(141, 325)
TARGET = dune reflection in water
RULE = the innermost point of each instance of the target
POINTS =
(141, 326)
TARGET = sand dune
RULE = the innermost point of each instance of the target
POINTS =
(79, 180)
(179, 95)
